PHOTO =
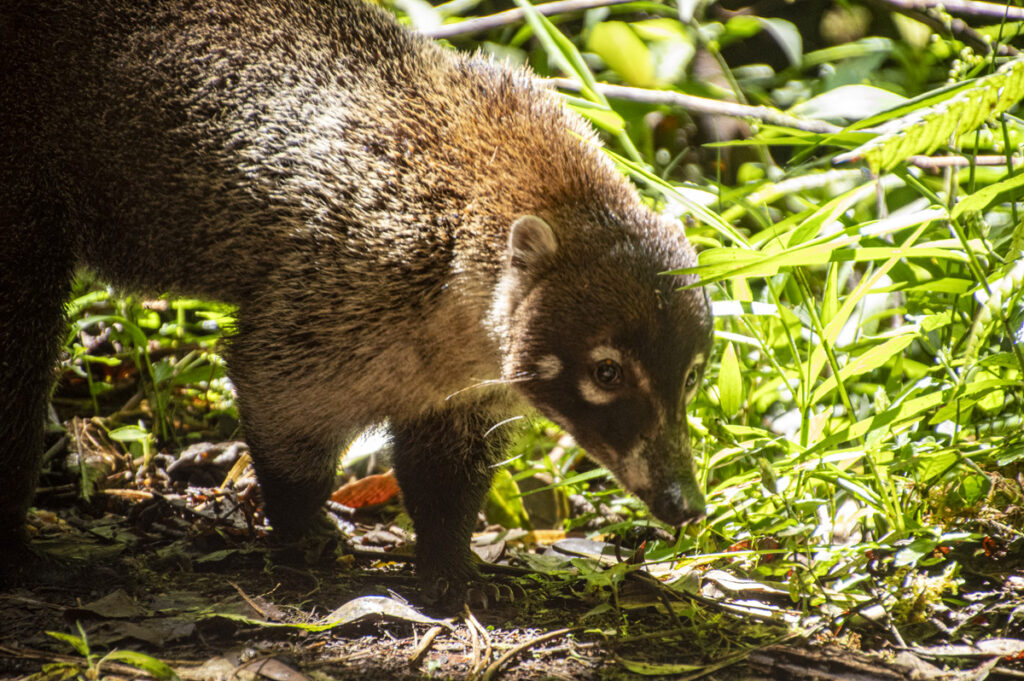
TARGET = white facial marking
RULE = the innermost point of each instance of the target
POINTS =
(602, 352)
(548, 367)
(594, 395)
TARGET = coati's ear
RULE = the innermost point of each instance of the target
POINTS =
(530, 241)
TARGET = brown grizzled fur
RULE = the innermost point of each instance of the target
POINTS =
(397, 223)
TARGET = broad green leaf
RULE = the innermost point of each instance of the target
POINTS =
(933, 466)
(504, 503)
(915, 551)
(983, 198)
(623, 51)
(660, 29)
(863, 363)
(787, 36)
(973, 488)
(848, 102)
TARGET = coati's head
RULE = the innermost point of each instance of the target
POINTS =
(610, 349)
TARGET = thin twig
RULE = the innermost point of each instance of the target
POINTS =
(704, 105)
(514, 16)
(939, 162)
(922, 11)
(492, 670)
(251, 602)
(994, 10)
(476, 665)
(424, 646)
(474, 624)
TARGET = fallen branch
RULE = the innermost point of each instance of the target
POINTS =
(514, 16)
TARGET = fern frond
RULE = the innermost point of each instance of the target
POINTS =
(924, 130)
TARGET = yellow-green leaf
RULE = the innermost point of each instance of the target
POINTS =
(730, 381)
(623, 51)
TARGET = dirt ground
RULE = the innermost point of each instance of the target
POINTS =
(179, 581)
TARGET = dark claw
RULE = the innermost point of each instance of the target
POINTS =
(476, 597)
(476, 593)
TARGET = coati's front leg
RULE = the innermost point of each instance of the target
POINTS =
(443, 465)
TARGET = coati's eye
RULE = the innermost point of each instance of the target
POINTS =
(691, 379)
(607, 373)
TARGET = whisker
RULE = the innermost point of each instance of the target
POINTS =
(499, 424)
(493, 381)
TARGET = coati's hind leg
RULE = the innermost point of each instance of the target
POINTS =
(293, 495)
(293, 444)
(35, 272)
(443, 464)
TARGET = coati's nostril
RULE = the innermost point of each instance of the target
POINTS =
(671, 506)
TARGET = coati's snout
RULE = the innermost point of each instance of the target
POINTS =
(678, 499)
(672, 507)
(611, 349)
(659, 469)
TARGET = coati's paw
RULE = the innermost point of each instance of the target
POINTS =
(484, 593)
(476, 592)
(316, 543)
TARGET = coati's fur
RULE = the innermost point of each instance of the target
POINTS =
(397, 224)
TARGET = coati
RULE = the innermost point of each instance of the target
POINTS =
(408, 234)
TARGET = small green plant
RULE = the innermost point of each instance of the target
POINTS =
(91, 665)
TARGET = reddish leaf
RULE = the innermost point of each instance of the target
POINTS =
(368, 491)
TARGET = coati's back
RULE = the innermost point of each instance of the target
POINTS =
(260, 122)
(397, 223)
(254, 123)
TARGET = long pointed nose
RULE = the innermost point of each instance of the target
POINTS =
(674, 507)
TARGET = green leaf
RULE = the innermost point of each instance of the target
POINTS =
(730, 381)
(623, 51)
(848, 102)
(658, 668)
(660, 29)
(150, 665)
(983, 198)
(76, 642)
(504, 503)
(129, 434)
(915, 551)
(787, 36)
(932, 466)
(950, 114)
(865, 362)
(605, 119)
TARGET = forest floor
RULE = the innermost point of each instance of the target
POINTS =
(180, 580)
(164, 572)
